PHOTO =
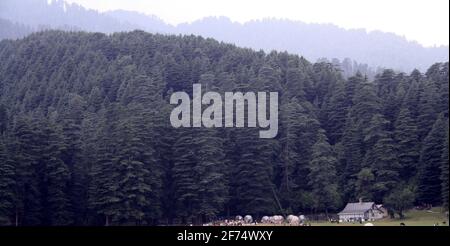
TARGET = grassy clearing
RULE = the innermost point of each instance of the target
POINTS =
(412, 218)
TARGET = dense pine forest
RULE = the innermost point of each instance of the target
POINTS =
(86, 137)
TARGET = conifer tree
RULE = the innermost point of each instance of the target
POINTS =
(335, 113)
(289, 140)
(57, 179)
(3, 119)
(184, 176)
(103, 195)
(25, 156)
(407, 143)
(132, 161)
(253, 173)
(429, 176)
(322, 175)
(7, 186)
(352, 142)
(427, 114)
(381, 156)
(210, 170)
(71, 155)
(445, 173)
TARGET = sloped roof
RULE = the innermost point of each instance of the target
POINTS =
(357, 207)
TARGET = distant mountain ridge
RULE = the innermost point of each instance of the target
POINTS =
(313, 41)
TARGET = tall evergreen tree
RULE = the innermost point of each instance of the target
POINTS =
(253, 175)
(429, 183)
(103, 195)
(387, 85)
(352, 155)
(322, 175)
(381, 156)
(210, 171)
(184, 176)
(71, 156)
(445, 173)
(3, 119)
(7, 186)
(132, 161)
(57, 180)
(335, 113)
(364, 184)
(290, 113)
(427, 108)
(407, 143)
(28, 206)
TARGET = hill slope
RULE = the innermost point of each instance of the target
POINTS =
(86, 138)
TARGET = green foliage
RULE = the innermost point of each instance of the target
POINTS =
(381, 157)
(86, 138)
(408, 149)
(7, 185)
(399, 200)
(57, 177)
(429, 183)
(252, 174)
(322, 176)
(364, 183)
(445, 173)
(25, 155)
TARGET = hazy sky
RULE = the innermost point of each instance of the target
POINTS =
(426, 21)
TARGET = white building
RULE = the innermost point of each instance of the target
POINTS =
(366, 211)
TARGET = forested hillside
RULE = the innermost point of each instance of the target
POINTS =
(86, 137)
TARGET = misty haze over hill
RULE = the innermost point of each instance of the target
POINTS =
(313, 41)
